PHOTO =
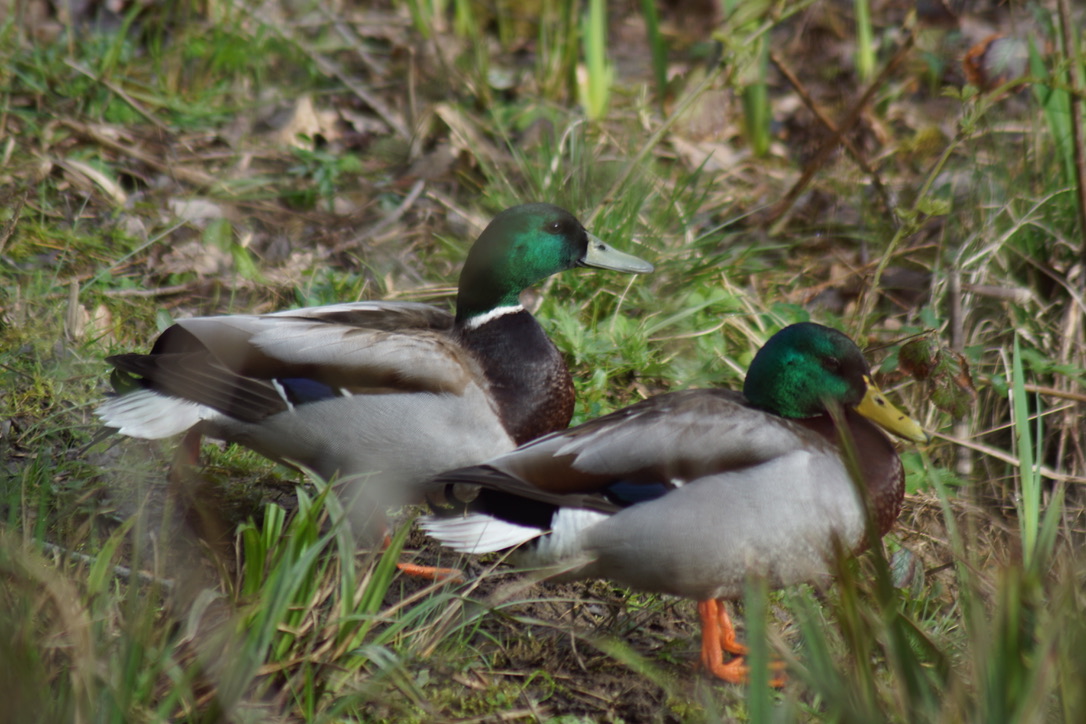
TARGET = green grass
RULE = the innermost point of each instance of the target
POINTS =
(440, 115)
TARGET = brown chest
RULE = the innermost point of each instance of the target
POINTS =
(526, 376)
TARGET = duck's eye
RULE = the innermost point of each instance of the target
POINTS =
(555, 227)
(832, 364)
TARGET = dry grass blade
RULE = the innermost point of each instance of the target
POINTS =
(14, 203)
(1071, 44)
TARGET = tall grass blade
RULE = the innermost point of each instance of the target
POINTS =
(865, 43)
(598, 76)
(759, 698)
(1051, 94)
(1029, 504)
(756, 111)
(657, 47)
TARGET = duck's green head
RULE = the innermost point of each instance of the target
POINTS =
(806, 367)
(525, 244)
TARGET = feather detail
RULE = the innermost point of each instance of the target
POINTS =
(480, 319)
(341, 346)
(565, 541)
(149, 415)
(477, 533)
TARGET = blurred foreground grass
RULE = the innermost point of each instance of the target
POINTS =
(190, 158)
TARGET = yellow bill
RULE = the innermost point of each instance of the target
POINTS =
(877, 408)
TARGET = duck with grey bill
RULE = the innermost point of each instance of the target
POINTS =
(692, 492)
(380, 395)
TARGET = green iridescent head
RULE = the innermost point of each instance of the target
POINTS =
(525, 244)
(805, 368)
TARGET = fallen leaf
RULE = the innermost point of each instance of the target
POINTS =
(305, 121)
(707, 155)
(196, 210)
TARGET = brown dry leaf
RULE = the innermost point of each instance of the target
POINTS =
(195, 257)
(196, 211)
(305, 121)
(292, 271)
(709, 155)
(465, 137)
(363, 123)
(80, 324)
(133, 226)
(100, 325)
(433, 165)
(709, 117)
(996, 60)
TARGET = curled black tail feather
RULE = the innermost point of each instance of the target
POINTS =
(487, 490)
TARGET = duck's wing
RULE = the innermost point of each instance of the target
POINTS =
(251, 366)
(376, 345)
(635, 455)
(666, 440)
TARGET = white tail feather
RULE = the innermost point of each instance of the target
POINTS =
(477, 533)
(148, 415)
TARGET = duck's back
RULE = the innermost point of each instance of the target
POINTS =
(782, 518)
(688, 493)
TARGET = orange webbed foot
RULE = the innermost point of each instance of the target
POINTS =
(727, 630)
(718, 637)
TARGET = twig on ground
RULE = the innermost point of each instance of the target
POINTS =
(389, 220)
(326, 65)
(776, 215)
(118, 570)
(181, 173)
(825, 120)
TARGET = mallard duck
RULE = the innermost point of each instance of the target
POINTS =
(385, 393)
(691, 492)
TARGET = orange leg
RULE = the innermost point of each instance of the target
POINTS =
(713, 645)
(727, 631)
(717, 637)
(431, 573)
